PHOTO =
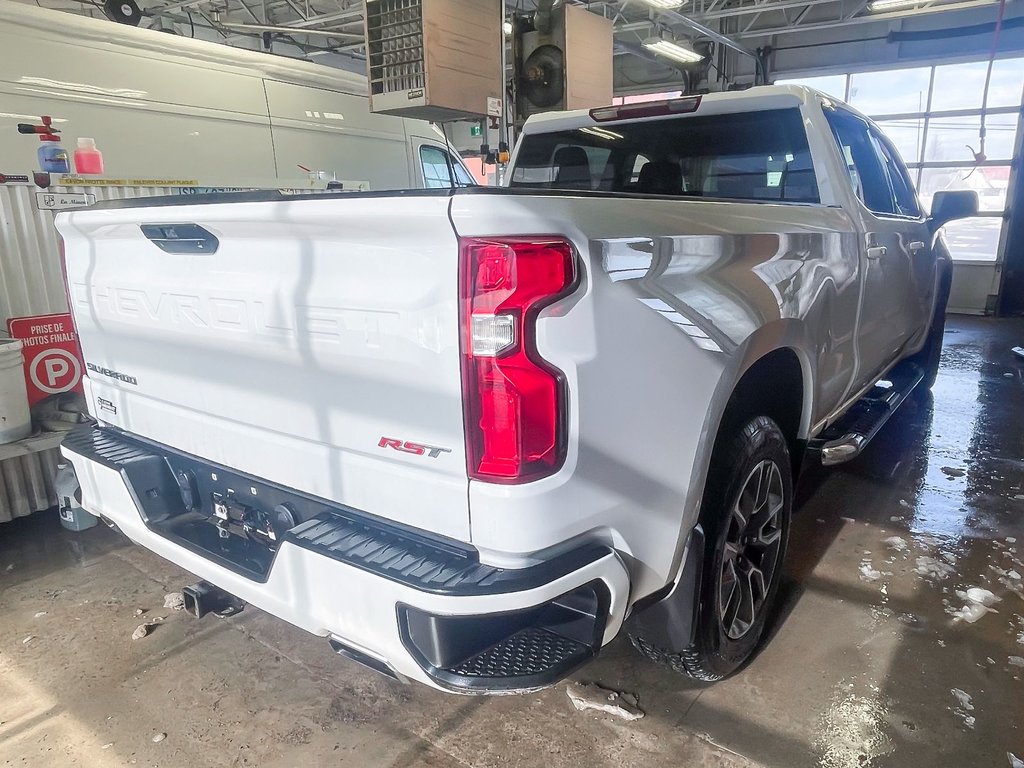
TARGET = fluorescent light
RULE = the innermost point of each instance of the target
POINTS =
(892, 5)
(666, 5)
(673, 51)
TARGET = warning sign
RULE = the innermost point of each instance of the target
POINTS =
(53, 359)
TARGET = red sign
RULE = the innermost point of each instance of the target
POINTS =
(53, 359)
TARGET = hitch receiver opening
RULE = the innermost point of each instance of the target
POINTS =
(204, 598)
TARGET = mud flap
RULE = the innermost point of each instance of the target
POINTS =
(671, 622)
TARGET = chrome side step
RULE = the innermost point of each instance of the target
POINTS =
(846, 438)
(844, 449)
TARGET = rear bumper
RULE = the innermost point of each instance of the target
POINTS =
(401, 603)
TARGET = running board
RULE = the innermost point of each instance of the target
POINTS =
(846, 438)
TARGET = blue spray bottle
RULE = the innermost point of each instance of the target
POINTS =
(53, 158)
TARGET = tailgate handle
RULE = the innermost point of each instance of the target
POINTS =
(180, 238)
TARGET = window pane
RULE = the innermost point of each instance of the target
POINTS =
(973, 238)
(894, 92)
(907, 135)
(899, 180)
(957, 138)
(1007, 86)
(833, 85)
(867, 174)
(961, 86)
(436, 171)
(435, 168)
(990, 183)
(760, 155)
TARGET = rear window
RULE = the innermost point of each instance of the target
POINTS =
(749, 156)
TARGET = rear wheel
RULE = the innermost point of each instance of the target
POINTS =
(745, 515)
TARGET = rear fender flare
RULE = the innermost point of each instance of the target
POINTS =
(671, 620)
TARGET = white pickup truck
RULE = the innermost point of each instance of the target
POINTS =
(470, 435)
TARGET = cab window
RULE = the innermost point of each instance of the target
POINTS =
(760, 155)
(867, 174)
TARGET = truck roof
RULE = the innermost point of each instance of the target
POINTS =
(724, 102)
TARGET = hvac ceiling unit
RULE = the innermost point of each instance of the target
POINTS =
(563, 60)
(434, 59)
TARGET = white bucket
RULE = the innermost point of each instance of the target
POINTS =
(15, 421)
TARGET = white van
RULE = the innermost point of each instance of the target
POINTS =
(165, 106)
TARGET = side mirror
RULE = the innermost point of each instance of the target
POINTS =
(952, 204)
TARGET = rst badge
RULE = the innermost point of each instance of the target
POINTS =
(417, 449)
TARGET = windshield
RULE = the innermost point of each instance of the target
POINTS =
(749, 156)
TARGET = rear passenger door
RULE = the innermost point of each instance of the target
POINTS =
(894, 244)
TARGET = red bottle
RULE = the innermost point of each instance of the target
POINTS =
(88, 159)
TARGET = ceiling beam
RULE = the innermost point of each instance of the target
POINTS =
(744, 10)
(871, 17)
(288, 30)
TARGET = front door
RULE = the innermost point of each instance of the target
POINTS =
(895, 247)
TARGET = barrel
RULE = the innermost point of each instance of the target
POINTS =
(15, 421)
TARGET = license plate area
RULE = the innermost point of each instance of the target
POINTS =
(229, 518)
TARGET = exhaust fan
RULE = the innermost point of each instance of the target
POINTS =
(123, 12)
(563, 60)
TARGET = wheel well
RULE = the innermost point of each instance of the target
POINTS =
(774, 387)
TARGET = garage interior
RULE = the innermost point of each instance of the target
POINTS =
(877, 654)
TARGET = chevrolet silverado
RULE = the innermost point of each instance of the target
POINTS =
(470, 435)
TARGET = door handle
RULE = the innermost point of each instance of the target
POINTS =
(915, 246)
(180, 238)
(876, 251)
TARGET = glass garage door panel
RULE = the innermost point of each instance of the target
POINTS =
(961, 86)
(958, 138)
(990, 182)
(973, 239)
(893, 92)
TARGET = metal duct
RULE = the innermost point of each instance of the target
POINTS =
(542, 19)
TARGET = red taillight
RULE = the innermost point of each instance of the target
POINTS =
(514, 401)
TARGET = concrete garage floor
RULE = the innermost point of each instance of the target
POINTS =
(860, 672)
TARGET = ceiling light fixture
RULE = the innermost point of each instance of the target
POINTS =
(666, 5)
(673, 51)
(892, 5)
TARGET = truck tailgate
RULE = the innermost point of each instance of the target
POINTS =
(319, 334)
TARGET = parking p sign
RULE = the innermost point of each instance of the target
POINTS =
(53, 360)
